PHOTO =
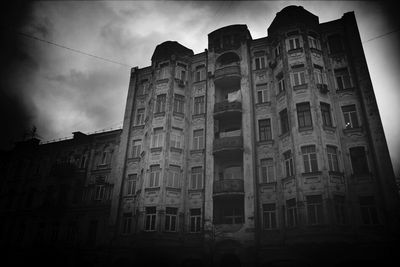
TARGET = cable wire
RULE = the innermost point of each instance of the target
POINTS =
(380, 36)
(73, 50)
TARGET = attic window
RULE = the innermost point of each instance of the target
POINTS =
(165, 64)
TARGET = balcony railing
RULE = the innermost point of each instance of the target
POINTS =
(229, 70)
(228, 186)
(226, 106)
(228, 143)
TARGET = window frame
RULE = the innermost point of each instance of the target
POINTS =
(288, 163)
(199, 105)
(161, 103)
(198, 139)
(171, 219)
(299, 77)
(333, 160)
(154, 176)
(309, 155)
(315, 209)
(196, 178)
(359, 163)
(176, 138)
(260, 62)
(263, 89)
(291, 212)
(267, 169)
(304, 116)
(368, 210)
(157, 138)
(343, 77)
(314, 42)
(150, 221)
(294, 43)
(136, 148)
(284, 121)
(269, 216)
(350, 116)
(264, 131)
(326, 115)
(127, 223)
(195, 220)
(174, 176)
(179, 103)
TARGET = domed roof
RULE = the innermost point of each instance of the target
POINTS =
(166, 49)
(292, 15)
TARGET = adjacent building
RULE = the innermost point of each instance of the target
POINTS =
(255, 152)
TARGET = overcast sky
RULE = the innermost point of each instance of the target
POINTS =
(61, 91)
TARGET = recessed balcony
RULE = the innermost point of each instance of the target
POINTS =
(229, 186)
(227, 75)
(227, 144)
(226, 107)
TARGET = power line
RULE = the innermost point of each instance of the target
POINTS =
(380, 36)
(73, 50)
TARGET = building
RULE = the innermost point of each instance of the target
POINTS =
(255, 152)
(56, 199)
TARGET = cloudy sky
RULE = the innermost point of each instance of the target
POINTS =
(61, 91)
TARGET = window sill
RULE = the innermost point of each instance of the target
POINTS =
(164, 80)
(196, 151)
(178, 114)
(200, 190)
(353, 130)
(315, 50)
(198, 116)
(266, 142)
(138, 127)
(134, 159)
(197, 82)
(336, 173)
(345, 90)
(300, 87)
(329, 128)
(103, 166)
(262, 104)
(156, 149)
(170, 188)
(159, 114)
(176, 149)
(306, 174)
(260, 70)
(296, 50)
(268, 183)
(152, 189)
(305, 129)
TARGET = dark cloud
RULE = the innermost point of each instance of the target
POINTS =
(92, 94)
(15, 116)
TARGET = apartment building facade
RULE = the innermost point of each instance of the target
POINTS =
(255, 143)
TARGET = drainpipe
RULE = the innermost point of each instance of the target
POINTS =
(255, 161)
(205, 145)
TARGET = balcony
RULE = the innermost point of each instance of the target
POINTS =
(227, 75)
(227, 144)
(230, 186)
(225, 107)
